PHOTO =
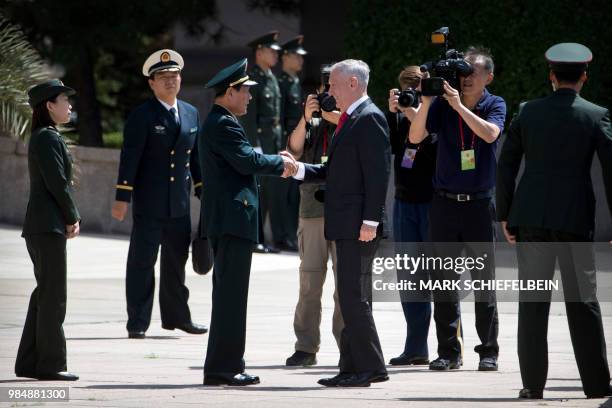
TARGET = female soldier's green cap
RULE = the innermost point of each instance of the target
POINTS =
(47, 90)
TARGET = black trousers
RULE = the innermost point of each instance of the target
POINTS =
(470, 222)
(174, 236)
(360, 349)
(227, 336)
(42, 349)
(536, 260)
(290, 206)
(271, 194)
(272, 203)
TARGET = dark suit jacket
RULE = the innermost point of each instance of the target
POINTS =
(558, 136)
(356, 172)
(229, 164)
(51, 206)
(159, 160)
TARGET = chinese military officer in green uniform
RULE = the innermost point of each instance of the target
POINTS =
(51, 218)
(291, 112)
(230, 219)
(157, 168)
(551, 216)
(263, 128)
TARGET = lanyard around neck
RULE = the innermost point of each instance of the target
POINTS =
(461, 133)
(324, 140)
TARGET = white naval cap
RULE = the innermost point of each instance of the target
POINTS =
(163, 60)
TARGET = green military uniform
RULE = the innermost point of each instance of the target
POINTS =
(263, 129)
(554, 206)
(51, 207)
(291, 91)
(291, 112)
(291, 104)
(229, 217)
(262, 121)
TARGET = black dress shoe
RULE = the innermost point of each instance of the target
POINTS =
(604, 394)
(228, 379)
(404, 359)
(265, 249)
(301, 358)
(26, 375)
(488, 364)
(526, 393)
(136, 335)
(443, 364)
(260, 249)
(61, 376)
(333, 381)
(286, 245)
(272, 249)
(357, 380)
(190, 328)
(379, 376)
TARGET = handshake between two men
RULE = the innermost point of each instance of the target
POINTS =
(367, 231)
(291, 165)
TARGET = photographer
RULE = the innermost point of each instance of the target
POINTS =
(468, 123)
(414, 166)
(310, 140)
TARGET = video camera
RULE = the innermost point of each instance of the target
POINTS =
(449, 67)
(326, 101)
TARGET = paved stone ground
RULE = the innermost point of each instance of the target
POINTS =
(165, 369)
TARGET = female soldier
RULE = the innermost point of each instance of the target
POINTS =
(51, 218)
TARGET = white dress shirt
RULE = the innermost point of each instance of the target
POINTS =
(168, 107)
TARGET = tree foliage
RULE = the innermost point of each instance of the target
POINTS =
(102, 44)
(390, 34)
(20, 68)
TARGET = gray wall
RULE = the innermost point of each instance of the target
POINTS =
(95, 190)
(320, 21)
(95, 179)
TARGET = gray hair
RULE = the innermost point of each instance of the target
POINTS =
(480, 54)
(356, 68)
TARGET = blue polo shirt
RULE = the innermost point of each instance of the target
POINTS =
(444, 121)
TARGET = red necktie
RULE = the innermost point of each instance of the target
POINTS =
(341, 121)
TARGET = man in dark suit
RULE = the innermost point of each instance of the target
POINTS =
(552, 215)
(229, 217)
(158, 162)
(357, 173)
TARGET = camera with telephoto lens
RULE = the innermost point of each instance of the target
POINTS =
(449, 67)
(327, 102)
(408, 98)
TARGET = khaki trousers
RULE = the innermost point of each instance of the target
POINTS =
(314, 251)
